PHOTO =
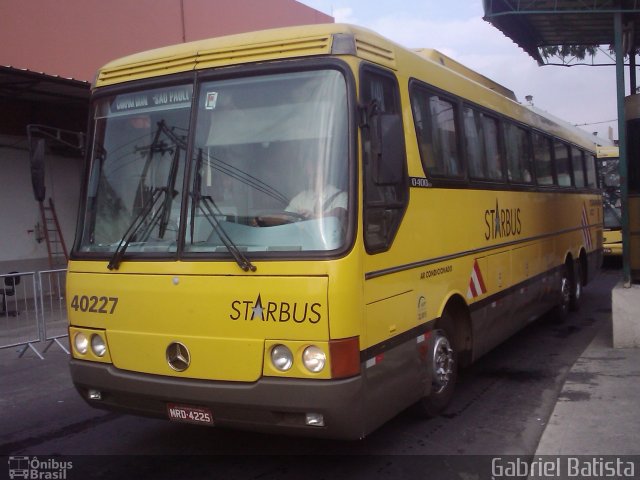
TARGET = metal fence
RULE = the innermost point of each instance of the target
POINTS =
(33, 310)
(53, 306)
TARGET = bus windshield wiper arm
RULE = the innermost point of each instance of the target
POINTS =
(147, 208)
(204, 204)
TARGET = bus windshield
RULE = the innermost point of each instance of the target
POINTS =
(267, 168)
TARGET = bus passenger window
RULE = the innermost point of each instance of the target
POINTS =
(494, 168)
(434, 118)
(542, 156)
(578, 167)
(518, 151)
(483, 147)
(474, 142)
(590, 162)
(563, 167)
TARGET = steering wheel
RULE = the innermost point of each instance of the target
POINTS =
(282, 218)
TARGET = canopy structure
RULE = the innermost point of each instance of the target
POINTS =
(31, 97)
(40, 87)
(533, 24)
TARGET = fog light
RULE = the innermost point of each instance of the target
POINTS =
(98, 346)
(314, 419)
(81, 343)
(94, 395)
(281, 357)
(314, 359)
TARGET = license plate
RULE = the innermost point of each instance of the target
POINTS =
(189, 414)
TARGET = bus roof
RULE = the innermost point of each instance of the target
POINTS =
(330, 39)
(277, 43)
(439, 57)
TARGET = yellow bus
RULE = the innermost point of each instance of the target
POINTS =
(308, 230)
(608, 161)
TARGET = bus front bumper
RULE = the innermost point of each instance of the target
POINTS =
(272, 405)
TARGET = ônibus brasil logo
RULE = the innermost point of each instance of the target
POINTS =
(38, 469)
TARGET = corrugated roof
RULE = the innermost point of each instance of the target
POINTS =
(540, 23)
(22, 84)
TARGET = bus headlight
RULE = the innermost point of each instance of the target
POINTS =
(314, 359)
(281, 357)
(81, 343)
(98, 346)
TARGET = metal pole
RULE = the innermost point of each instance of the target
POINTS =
(633, 84)
(622, 140)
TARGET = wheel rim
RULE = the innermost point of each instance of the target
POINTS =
(565, 291)
(443, 359)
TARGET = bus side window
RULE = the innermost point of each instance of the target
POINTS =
(542, 157)
(474, 141)
(578, 167)
(384, 204)
(491, 132)
(563, 163)
(481, 134)
(590, 162)
(518, 151)
(438, 140)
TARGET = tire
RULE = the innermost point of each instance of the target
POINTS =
(575, 298)
(561, 311)
(443, 362)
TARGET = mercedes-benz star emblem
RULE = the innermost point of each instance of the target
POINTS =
(178, 356)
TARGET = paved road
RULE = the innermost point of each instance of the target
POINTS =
(501, 407)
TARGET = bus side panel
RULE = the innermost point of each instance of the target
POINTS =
(393, 381)
(391, 363)
(526, 268)
(387, 317)
(491, 320)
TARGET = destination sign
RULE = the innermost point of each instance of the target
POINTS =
(158, 99)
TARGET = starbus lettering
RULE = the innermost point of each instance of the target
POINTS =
(282, 312)
(502, 222)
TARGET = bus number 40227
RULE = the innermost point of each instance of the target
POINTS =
(94, 304)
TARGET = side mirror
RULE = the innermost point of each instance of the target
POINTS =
(387, 148)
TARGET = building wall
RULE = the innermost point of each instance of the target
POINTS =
(20, 212)
(73, 38)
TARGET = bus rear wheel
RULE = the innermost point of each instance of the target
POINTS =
(576, 288)
(443, 362)
(561, 311)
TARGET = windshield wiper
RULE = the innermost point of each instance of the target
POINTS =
(138, 222)
(243, 177)
(205, 203)
(171, 192)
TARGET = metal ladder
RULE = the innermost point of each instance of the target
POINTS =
(56, 248)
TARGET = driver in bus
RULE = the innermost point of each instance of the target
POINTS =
(319, 199)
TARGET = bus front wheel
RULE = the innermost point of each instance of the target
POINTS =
(443, 362)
